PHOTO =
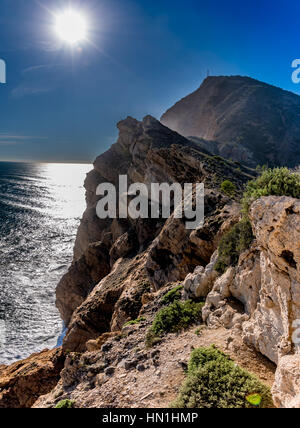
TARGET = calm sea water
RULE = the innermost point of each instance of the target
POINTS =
(40, 209)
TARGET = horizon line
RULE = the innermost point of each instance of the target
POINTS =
(46, 162)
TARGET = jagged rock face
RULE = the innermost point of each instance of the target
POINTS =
(177, 251)
(136, 154)
(82, 276)
(242, 118)
(22, 383)
(200, 283)
(266, 280)
(276, 224)
(266, 283)
(146, 152)
(115, 300)
(169, 258)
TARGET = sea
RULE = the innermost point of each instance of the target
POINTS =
(40, 210)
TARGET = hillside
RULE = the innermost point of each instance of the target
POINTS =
(242, 119)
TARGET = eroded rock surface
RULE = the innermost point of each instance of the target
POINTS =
(266, 285)
(125, 373)
(117, 261)
(23, 382)
(122, 268)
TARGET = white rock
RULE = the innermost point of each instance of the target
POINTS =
(199, 283)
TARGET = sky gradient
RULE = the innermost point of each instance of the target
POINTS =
(62, 104)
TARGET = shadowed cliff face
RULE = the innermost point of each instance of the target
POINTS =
(241, 118)
(148, 152)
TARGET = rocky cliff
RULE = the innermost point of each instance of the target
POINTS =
(259, 298)
(241, 118)
(117, 261)
(124, 271)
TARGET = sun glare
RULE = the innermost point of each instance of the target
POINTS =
(71, 26)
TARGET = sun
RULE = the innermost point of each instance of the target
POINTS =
(71, 26)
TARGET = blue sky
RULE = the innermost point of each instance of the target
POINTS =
(62, 104)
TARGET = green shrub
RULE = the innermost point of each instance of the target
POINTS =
(215, 381)
(172, 295)
(201, 356)
(177, 316)
(233, 243)
(277, 182)
(65, 404)
(228, 188)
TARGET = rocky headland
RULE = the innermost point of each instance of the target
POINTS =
(126, 272)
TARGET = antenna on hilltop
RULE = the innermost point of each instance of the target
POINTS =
(208, 73)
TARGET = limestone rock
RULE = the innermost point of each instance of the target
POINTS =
(276, 224)
(246, 284)
(200, 283)
(177, 251)
(112, 302)
(22, 383)
(266, 285)
(218, 309)
(286, 388)
(266, 280)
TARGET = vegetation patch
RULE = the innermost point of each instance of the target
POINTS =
(173, 295)
(215, 381)
(65, 404)
(177, 316)
(272, 182)
(237, 240)
(228, 188)
(276, 182)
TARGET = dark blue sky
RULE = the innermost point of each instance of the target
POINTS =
(63, 105)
